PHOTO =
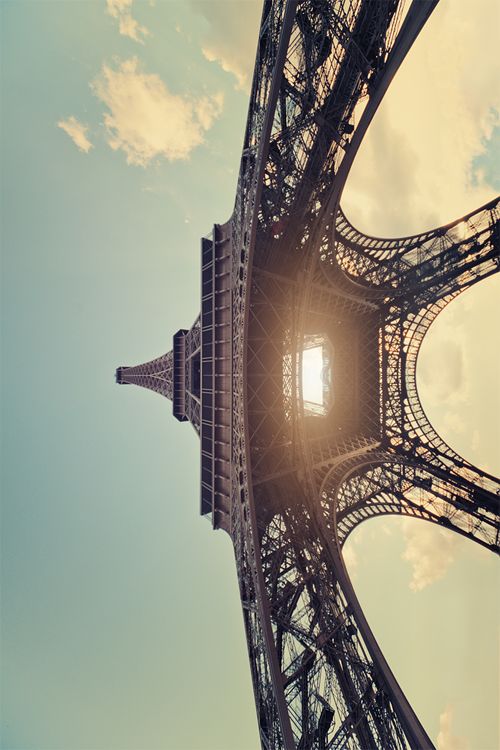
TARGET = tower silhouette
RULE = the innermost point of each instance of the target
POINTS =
(286, 273)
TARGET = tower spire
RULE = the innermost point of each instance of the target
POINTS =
(175, 375)
(157, 375)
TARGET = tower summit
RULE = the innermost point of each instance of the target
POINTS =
(288, 475)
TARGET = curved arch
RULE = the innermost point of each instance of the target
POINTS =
(404, 406)
(386, 248)
(463, 251)
(382, 483)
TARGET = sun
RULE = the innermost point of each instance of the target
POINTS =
(316, 377)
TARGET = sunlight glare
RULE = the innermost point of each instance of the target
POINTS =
(312, 382)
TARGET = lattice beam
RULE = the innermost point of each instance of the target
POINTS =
(416, 271)
(338, 689)
(385, 483)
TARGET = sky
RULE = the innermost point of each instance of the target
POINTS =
(122, 125)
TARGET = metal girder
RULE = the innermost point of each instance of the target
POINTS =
(387, 483)
(335, 51)
(415, 271)
(338, 688)
(340, 60)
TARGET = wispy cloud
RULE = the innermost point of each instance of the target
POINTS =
(77, 131)
(231, 36)
(121, 10)
(429, 550)
(446, 740)
(147, 121)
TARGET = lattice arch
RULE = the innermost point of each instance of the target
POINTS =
(382, 483)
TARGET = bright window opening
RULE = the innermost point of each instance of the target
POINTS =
(317, 376)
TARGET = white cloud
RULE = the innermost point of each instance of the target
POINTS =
(430, 551)
(77, 131)
(446, 740)
(231, 36)
(208, 109)
(415, 168)
(147, 121)
(228, 65)
(127, 24)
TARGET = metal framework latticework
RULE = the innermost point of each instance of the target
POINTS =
(286, 270)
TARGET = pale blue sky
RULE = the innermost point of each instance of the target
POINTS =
(121, 624)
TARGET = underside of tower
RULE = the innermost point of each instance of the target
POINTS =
(288, 475)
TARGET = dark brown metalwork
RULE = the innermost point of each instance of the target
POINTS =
(288, 268)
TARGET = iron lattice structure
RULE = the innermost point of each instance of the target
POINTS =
(286, 268)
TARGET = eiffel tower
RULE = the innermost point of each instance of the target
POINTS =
(287, 476)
